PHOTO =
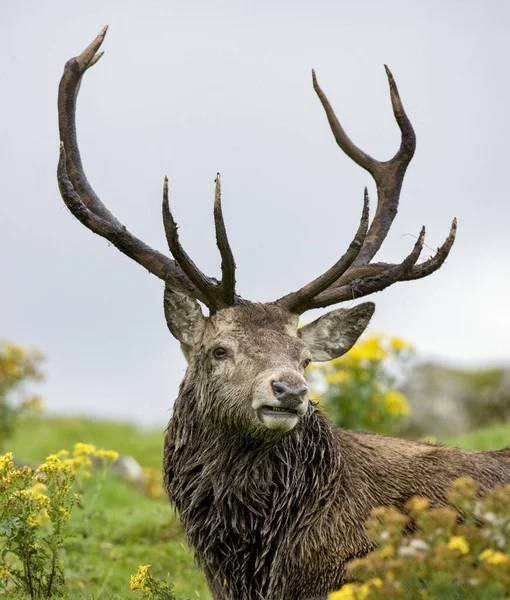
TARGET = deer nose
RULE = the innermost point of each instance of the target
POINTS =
(290, 395)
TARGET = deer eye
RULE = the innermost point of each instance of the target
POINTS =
(220, 353)
(306, 362)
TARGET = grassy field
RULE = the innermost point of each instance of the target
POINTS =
(128, 528)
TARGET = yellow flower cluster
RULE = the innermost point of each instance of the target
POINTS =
(6, 461)
(4, 572)
(396, 404)
(108, 454)
(141, 580)
(494, 557)
(32, 521)
(80, 448)
(79, 462)
(458, 542)
(353, 591)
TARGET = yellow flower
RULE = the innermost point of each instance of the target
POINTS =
(32, 521)
(80, 448)
(396, 404)
(42, 499)
(399, 344)
(141, 580)
(4, 572)
(494, 557)
(6, 461)
(417, 505)
(109, 454)
(387, 552)
(38, 488)
(339, 376)
(351, 591)
(43, 517)
(376, 582)
(373, 349)
(459, 542)
(65, 512)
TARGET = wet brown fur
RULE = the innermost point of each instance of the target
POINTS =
(275, 516)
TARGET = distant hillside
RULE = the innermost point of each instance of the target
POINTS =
(446, 402)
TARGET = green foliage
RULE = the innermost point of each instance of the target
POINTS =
(17, 367)
(488, 438)
(358, 390)
(445, 558)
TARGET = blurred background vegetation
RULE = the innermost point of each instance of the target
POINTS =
(378, 386)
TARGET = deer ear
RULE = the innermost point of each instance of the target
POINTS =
(184, 318)
(336, 332)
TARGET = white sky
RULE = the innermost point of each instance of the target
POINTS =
(191, 88)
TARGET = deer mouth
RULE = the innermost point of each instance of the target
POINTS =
(278, 411)
(279, 418)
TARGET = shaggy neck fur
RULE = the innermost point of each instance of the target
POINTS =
(244, 502)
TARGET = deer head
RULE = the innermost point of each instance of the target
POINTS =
(250, 357)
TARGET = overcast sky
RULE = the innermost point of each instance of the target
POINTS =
(194, 87)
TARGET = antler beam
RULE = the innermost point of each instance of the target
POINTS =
(350, 279)
(86, 206)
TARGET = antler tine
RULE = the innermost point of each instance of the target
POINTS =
(388, 175)
(228, 265)
(209, 288)
(342, 139)
(417, 272)
(436, 261)
(298, 301)
(368, 285)
(76, 190)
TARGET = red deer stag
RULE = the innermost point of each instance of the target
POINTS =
(271, 495)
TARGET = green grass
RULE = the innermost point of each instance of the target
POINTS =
(488, 438)
(129, 529)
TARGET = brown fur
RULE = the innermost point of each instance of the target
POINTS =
(275, 515)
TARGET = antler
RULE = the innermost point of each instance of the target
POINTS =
(86, 206)
(354, 275)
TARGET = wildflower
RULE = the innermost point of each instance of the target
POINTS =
(37, 489)
(459, 542)
(387, 552)
(396, 403)
(339, 376)
(42, 499)
(109, 454)
(32, 521)
(398, 344)
(372, 349)
(141, 580)
(43, 517)
(6, 461)
(417, 505)
(78, 461)
(80, 448)
(4, 572)
(64, 511)
(346, 592)
(494, 557)
(376, 582)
